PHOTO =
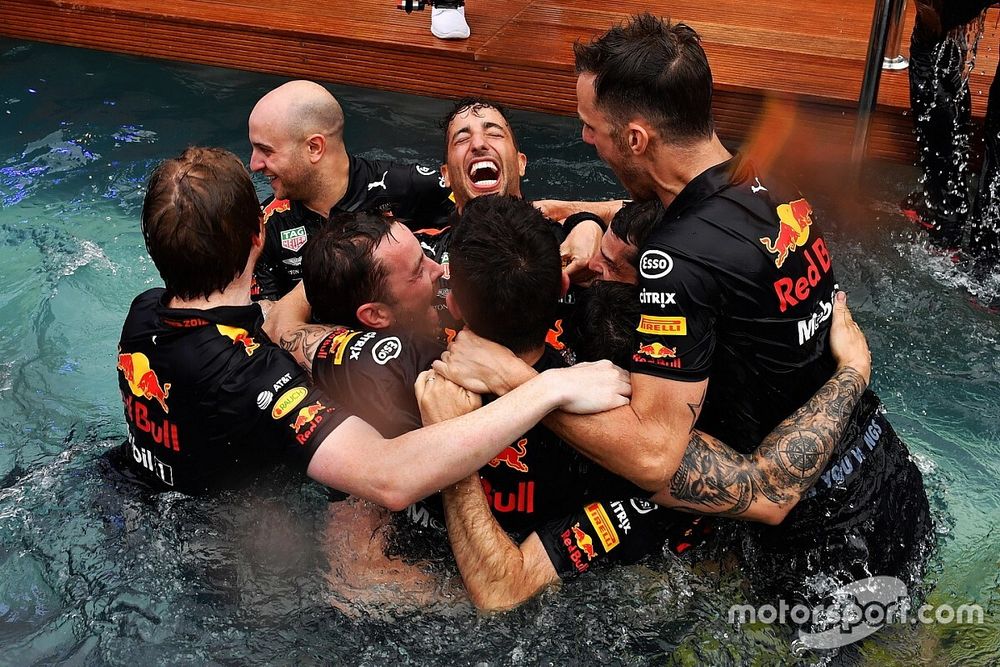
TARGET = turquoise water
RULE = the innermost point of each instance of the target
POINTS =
(94, 576)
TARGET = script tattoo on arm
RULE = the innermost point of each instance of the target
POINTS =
(303, 341)
(714, 479)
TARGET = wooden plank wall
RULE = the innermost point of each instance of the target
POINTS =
(808, 54)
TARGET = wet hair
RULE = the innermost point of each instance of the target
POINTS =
(635, 221)
(199, 219)
(655, 69)
(506, 274)
(339, 268)
(604, 321)
(476, 104)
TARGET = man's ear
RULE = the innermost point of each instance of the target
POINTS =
(316, 144)
(637, 138)
(522, 163)
(565, 284)
(456, 312)
(375, 315)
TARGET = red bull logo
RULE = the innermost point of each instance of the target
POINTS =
(239, 337)
(306, 415)
(584, 542)
(142, 379)
(793, 230)
(657, 351)
(276, 206)
(552, 337)
(511, 456)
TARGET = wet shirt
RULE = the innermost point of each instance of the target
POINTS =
(414, 194)
(209, 400)
(736, 282)
(537, 483)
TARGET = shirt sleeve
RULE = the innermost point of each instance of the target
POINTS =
(282, 410)
(679, 303)
(616, 531)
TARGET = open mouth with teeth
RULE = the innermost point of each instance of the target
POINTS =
(484, 174)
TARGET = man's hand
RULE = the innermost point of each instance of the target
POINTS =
(591, 387)
(440, 399)
(847, 341)
(559, 210)
(480, 365)
(580, 246)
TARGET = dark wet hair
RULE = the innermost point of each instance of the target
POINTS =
(506, 274)
(636, 221)
(199, 219)
(474, 103)
(655, 69)
(604, 321)
(339, 268)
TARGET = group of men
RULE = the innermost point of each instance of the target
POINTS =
(744, 393)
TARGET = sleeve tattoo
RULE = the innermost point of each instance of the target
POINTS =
(714, 479)
(303, 341)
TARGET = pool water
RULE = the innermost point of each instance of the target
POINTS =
(93, 574)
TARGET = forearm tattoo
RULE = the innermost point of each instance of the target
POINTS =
(717, 480)
(302, 342)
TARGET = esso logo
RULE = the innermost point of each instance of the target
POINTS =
(655, 264)
(386, 350)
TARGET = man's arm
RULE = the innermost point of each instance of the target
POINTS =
(498, 574)
(648, 441)
(558, 209)
(765, 486)
(287, 324)
(394, 473)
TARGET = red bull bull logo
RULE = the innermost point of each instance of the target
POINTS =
(793, 230)
(584, 542)
(552, 337)
(657, 351)
(511, 456)
(239, 337)
(306, 415)
(142, 379)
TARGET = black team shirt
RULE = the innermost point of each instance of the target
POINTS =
(414, 194)
(209, 400)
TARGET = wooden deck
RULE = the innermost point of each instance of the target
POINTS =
(520, 52)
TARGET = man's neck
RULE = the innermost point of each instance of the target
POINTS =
(237, 293)
(332, 185)
(679, 165)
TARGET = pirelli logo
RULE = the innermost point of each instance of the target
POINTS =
(601, 522)
(663, 326)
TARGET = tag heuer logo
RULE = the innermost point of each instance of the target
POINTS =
(293, 239)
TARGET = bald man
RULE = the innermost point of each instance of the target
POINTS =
(297, 137)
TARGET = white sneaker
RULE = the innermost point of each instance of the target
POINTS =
(448, 23)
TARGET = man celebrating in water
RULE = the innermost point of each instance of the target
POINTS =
(297, 137)
(736, 285)
(507, 282)
(209, 400)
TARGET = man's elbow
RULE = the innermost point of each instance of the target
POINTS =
(774, 514)
(652, 470)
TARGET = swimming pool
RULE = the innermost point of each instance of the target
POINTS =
(94, 576)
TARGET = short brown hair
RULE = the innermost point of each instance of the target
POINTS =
(339, 268)
(652, 68)
(199, 219)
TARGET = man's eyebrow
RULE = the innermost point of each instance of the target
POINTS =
(489, 125)
(460, 130)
